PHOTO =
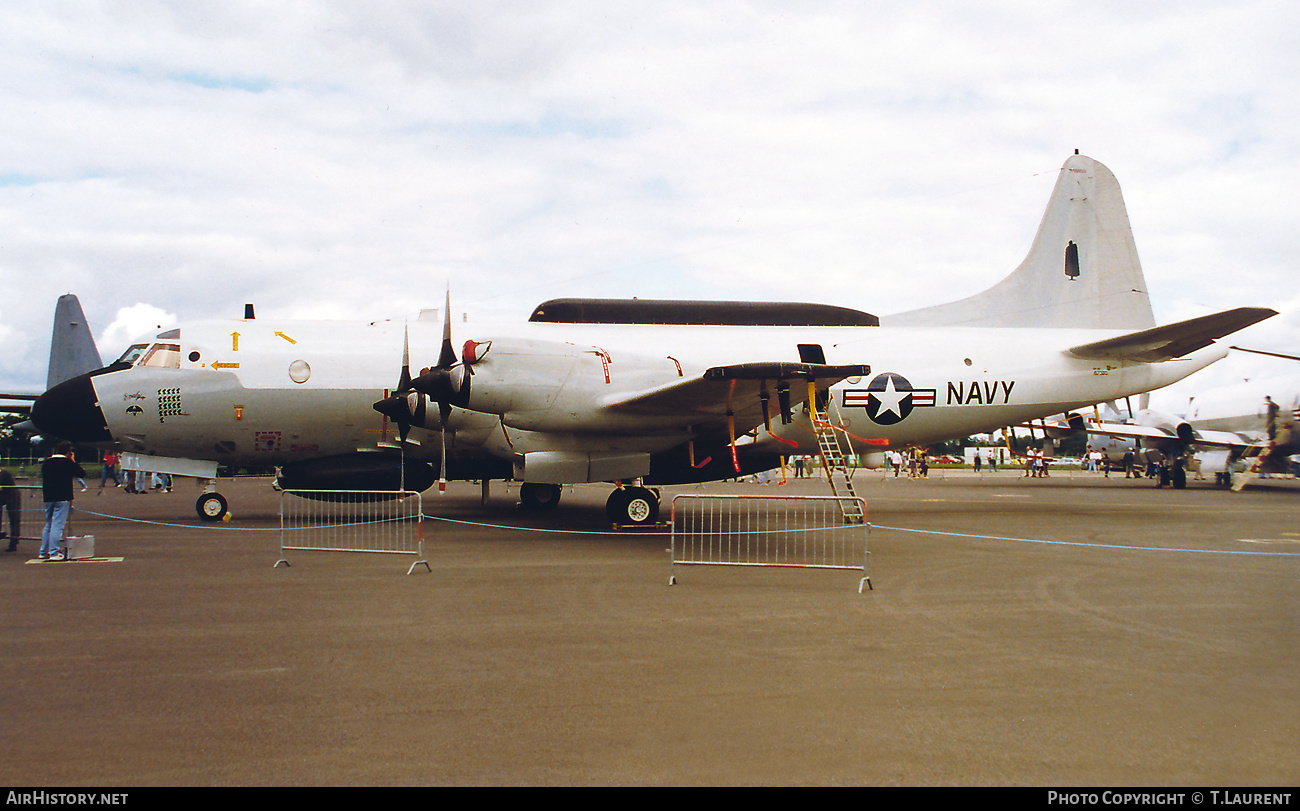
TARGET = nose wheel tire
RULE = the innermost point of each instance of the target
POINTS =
(632, 506)
(211, 506)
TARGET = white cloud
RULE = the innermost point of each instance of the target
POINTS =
(131, 324)
(332, 157)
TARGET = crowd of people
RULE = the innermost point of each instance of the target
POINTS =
(132, 481)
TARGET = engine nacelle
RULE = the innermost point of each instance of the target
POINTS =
(1181, 434)
(517, 376)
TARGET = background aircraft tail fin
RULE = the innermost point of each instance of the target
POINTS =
(72, 348)
(1082, 271)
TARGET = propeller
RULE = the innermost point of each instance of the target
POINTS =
(444, 383)
(405, 405)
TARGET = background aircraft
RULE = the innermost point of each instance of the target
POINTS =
(1221, 427)
(72, 353)
(648, 392)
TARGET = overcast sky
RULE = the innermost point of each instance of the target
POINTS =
(172, 161)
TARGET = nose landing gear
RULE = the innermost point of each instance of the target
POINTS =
(211, 506)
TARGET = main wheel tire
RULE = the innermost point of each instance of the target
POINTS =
(632, 506)
(211, 506)
(537, 496)
(1179, 476)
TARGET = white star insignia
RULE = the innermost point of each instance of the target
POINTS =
(890, 399)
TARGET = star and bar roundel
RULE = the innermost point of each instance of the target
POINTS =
(889, 398)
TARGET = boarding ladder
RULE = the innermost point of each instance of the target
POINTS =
(836, 449)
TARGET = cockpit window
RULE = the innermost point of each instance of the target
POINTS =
(133, 354)
(163, 356)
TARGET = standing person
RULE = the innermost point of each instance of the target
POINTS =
(110, 470)
(977, 460)
(57, 475)
(11, 499)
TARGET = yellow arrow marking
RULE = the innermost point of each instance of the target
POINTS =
(286, 337)
(218, 366)
(234, 341)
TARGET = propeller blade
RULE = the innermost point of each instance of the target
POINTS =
(447, 357)
(445, 385)
(398, 406)
(404, 382)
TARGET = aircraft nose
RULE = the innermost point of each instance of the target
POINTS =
(71, 411)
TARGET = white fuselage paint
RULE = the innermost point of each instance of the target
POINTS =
(270, 393)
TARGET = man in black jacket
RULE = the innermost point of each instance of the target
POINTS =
(57, 475)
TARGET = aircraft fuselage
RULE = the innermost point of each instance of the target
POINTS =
(254, 393)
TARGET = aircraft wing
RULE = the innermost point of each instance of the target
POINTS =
(23, 404)
(739, 390)
(1208, 439)
(1172, 340)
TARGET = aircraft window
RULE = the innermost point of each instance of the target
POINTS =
(133, 354)
(163, 356)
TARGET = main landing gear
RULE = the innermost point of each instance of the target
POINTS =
(633, 507)
(627, 506)
(537, 496)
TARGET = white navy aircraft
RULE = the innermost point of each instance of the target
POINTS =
(643, 392)
(1221, 427)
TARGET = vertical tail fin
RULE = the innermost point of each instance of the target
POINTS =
(1082, 270)
(72, 349)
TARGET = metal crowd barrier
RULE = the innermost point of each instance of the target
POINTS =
(31, 513)
(799, 532)
(352, 521)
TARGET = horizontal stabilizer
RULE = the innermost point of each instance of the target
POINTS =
(1173, 340)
